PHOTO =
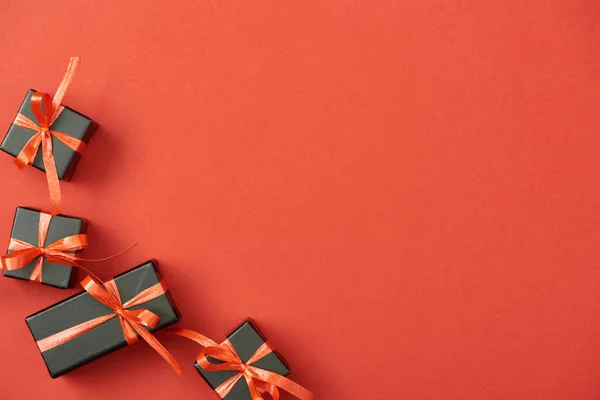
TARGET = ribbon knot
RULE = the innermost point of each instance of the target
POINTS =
(119, 311)
(132, 321)
(46, 110)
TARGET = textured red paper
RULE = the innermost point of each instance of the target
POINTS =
(403, 194)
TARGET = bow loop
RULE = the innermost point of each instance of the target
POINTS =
(29, 151)
(20, 258)
(69, 243)
(230, 360)
(101, 293)
(143, 317)
(41, 106)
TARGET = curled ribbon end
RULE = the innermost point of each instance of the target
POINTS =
(178, 370)
(109, 257)
(88, 281)
(19, 163)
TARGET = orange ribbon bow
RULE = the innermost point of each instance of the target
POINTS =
(259, 381)
(57, 252)
(46, 110)
(132, 321)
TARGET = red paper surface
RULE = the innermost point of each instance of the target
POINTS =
(403, 194)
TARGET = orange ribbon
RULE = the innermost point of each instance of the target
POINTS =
(58, 252)
(46, 110)
(132, 321)
(259, 381)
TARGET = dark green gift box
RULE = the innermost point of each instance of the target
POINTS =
(26, 227)
(69, 122)
(246, 339)
(105, 338)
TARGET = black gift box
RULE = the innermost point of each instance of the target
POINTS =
(246, 340)
(26, 227)
(69, 122)
(104, 338)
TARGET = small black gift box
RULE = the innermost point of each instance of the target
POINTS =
(69, 122)
(26, 228)
(105, 337)
(246, 340)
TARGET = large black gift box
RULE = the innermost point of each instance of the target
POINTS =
(246, 339)
(69, 122)
(26, 228)
(105, 338)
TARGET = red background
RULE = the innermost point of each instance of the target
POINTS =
(403, 194)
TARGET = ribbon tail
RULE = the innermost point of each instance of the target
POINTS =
(256, 394)
(64, 259)
(159, 348)
(36, 274)
(58, 253)
(128, 331)
(107, 258)
(62, 88)
(27, 154)
(190, 334)
(51, 174)
(71, 261)
(68, 259)
(224, 388)
(265, 387)
(90, 273)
